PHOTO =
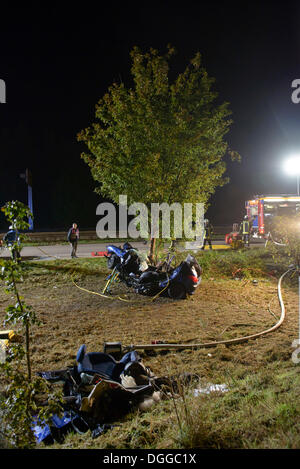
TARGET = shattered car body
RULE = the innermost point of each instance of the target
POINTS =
(97, 391)
(176, 282)
(126, 259)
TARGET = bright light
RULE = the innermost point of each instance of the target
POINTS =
(281, 199)
(292, 166)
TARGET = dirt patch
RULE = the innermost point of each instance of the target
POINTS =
(219, 310)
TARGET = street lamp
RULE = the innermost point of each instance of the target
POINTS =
(292, 167)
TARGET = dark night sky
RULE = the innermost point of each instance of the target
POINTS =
(58, 61)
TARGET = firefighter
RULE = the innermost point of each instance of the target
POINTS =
(245, 230)
(12, 240)
(208, 231)
(173, 244)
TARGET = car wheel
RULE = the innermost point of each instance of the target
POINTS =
(112, 261)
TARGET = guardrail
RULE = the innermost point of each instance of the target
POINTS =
(52, 236)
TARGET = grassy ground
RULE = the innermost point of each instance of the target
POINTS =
(261, 408)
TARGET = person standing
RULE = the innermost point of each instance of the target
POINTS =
(208, 231)
(245, 229)
(12, 241)
(73, 237)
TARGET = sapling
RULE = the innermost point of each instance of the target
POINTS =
(20, 390)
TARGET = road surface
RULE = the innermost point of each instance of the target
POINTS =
(63, 251)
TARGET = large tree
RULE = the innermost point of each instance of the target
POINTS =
(159, 141)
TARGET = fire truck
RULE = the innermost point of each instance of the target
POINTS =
(262, 209)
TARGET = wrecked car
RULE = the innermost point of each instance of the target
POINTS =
(99, 390)
(163, 279)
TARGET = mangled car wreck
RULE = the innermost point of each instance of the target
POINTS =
(103, 386)
(98, 390)
(174, 282)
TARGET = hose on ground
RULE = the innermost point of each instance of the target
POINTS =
(163, 346)
(238, 340)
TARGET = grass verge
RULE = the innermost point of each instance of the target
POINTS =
(260, 408)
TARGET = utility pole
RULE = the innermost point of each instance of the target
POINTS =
(28, 178)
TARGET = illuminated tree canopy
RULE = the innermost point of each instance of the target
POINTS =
(159, 141)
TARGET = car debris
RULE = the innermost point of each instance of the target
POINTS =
(209, 388)
(98, 390)
(128, 265)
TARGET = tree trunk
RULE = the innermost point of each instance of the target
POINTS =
(152, 249)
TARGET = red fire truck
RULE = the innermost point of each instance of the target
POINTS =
(262, 209)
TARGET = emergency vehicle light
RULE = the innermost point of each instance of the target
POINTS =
(281, 199)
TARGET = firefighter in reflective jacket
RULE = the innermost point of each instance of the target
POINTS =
(245, 230)
(208, 231)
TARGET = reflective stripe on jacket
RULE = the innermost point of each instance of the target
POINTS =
(245, 227)
(208, 231)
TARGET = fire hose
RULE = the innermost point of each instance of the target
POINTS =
(222, 342)
(238, 340)
(270, 237)
(97, 293)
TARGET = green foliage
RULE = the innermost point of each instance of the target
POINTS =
(18, 399)
(16, 214)
(159, 141)
(229, 263)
